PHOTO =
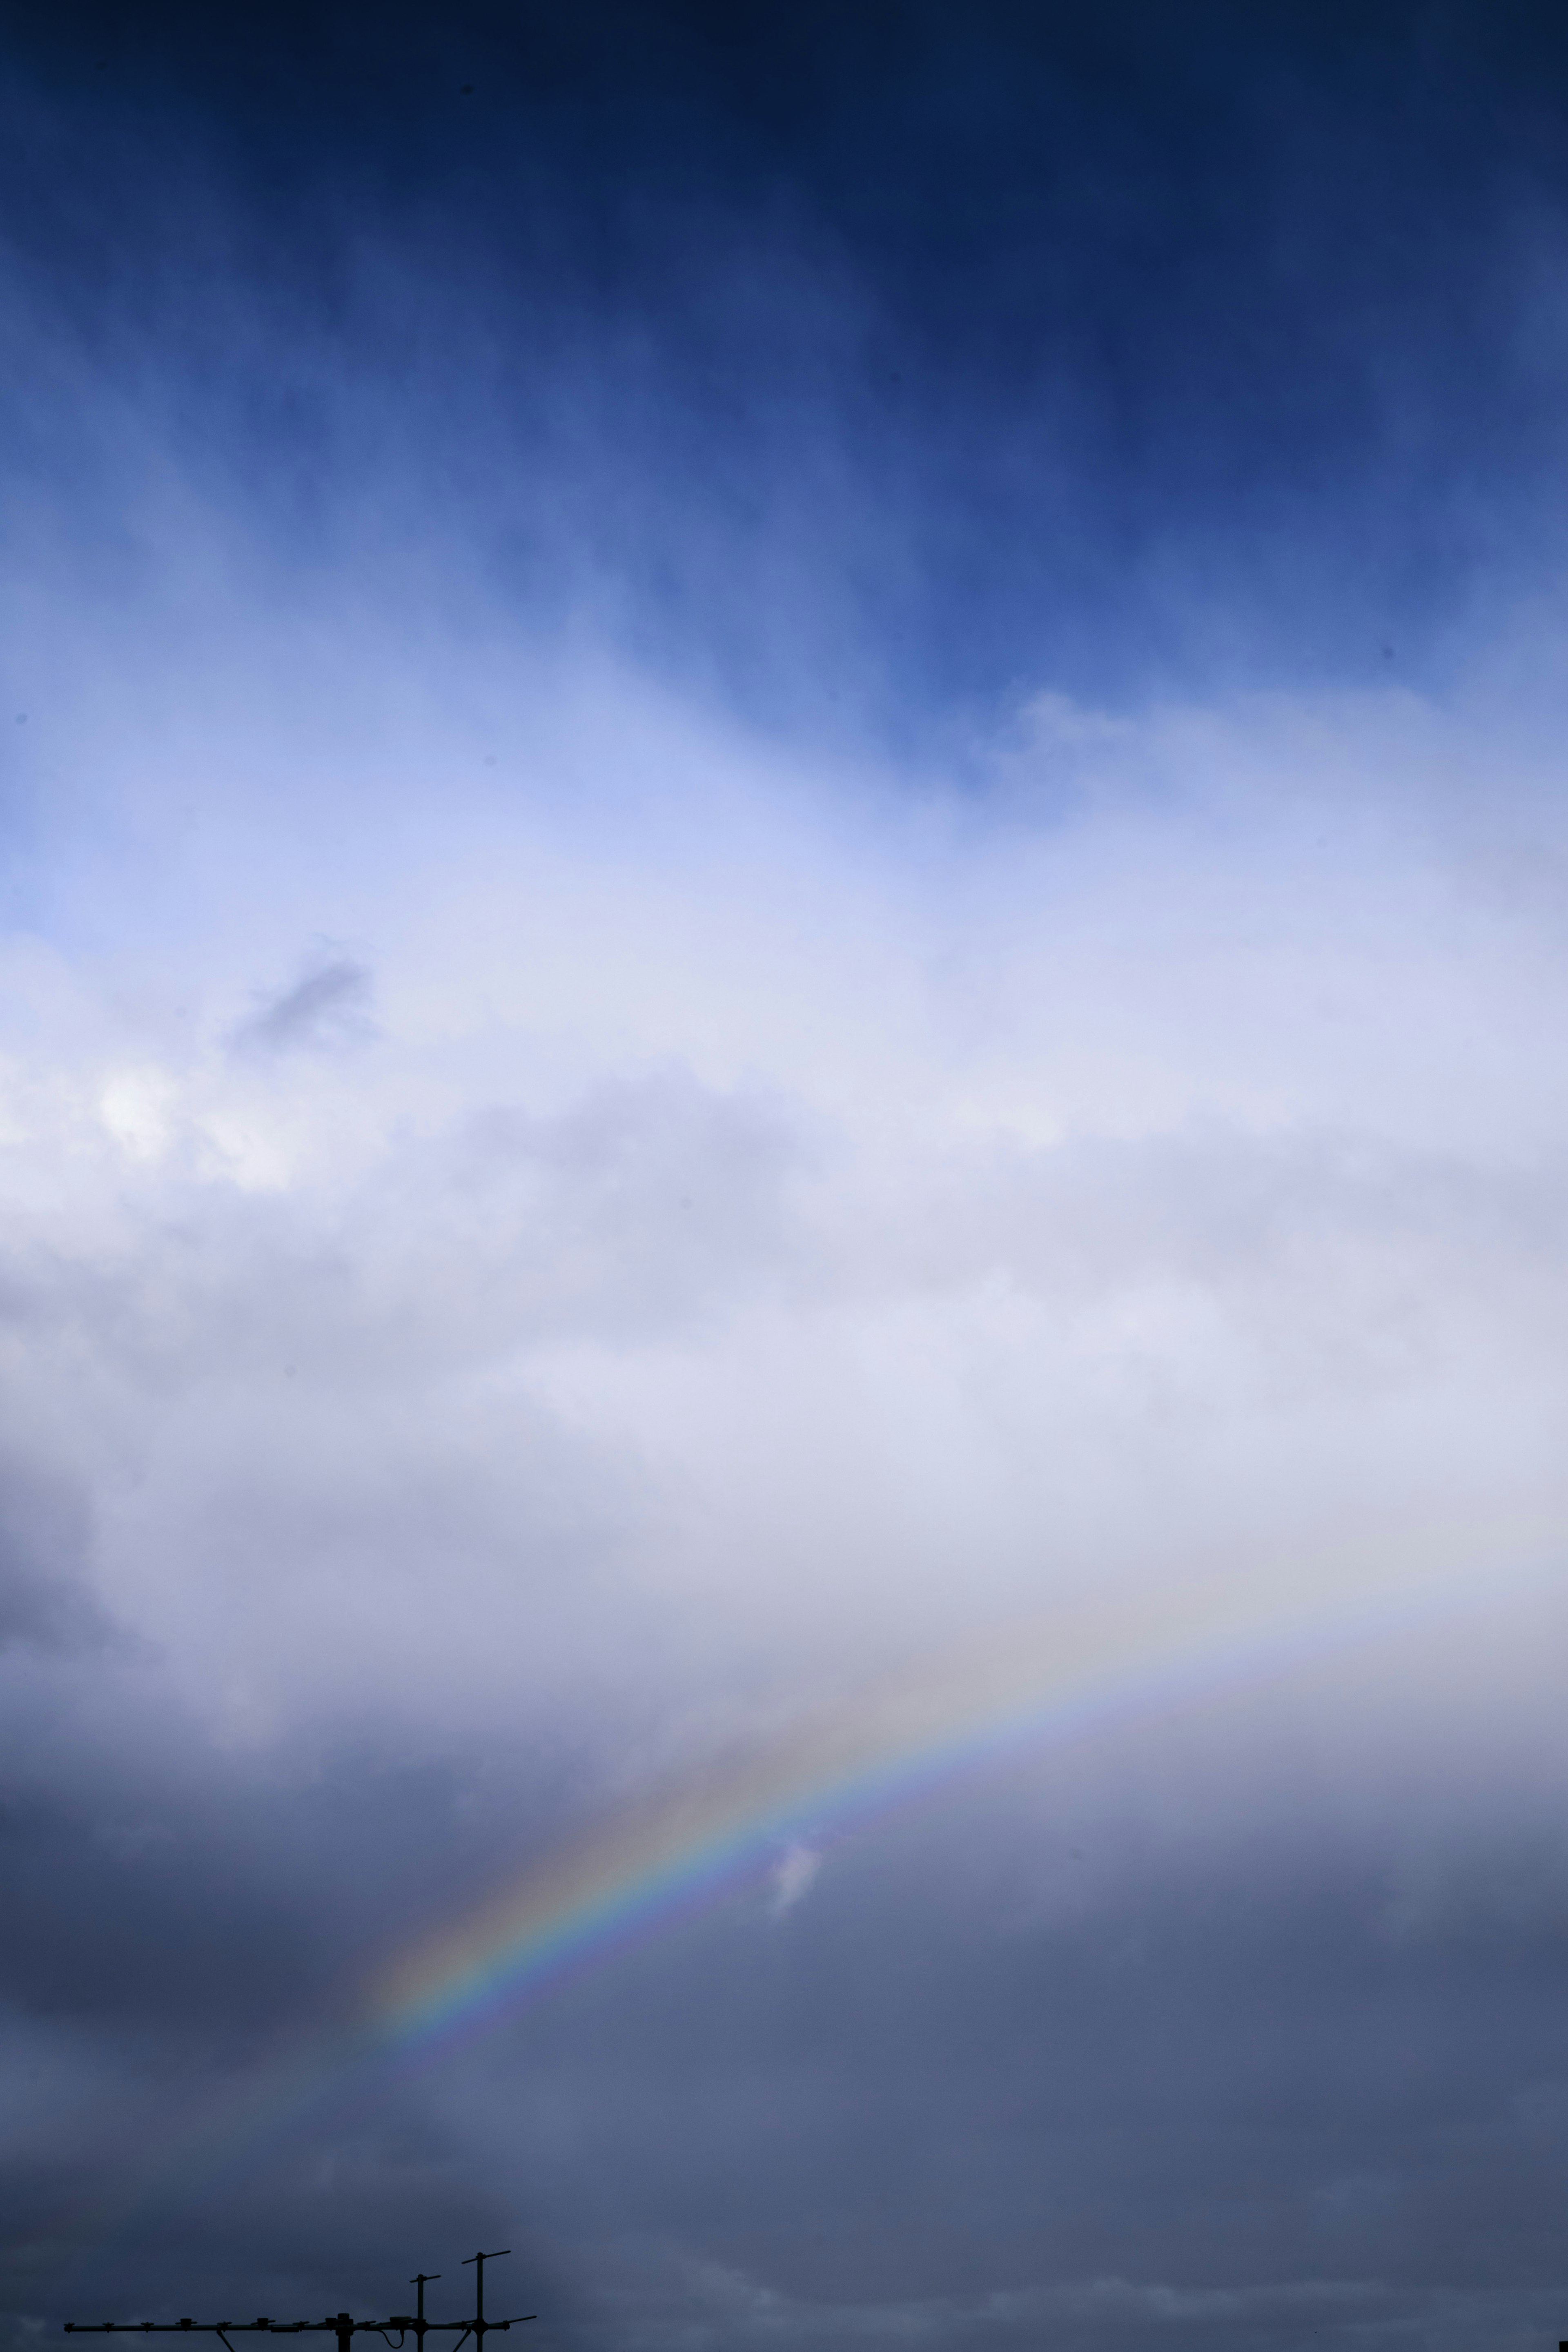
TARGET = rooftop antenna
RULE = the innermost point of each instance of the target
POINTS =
(342, 2324)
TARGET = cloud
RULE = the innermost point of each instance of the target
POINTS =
(325, 1008)
(45, 1597)
(791, 1878)
(718, 2304)
(783, 1241)
(778, 1225)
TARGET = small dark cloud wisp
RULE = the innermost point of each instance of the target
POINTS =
(324, 1013)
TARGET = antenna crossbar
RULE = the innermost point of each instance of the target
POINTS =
(340, 2324)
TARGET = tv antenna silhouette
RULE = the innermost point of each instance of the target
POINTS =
(342, 2324)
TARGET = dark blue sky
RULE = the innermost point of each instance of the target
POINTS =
(948, 349)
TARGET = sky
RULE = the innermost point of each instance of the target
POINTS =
(784, 1284)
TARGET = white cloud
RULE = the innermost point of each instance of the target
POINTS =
(793, 1876)
(780, 1219)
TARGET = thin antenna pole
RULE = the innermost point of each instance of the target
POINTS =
(482, 2325)
(419, 2280)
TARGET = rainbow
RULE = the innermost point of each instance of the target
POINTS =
(1056, 1676)
(1051, 1677)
